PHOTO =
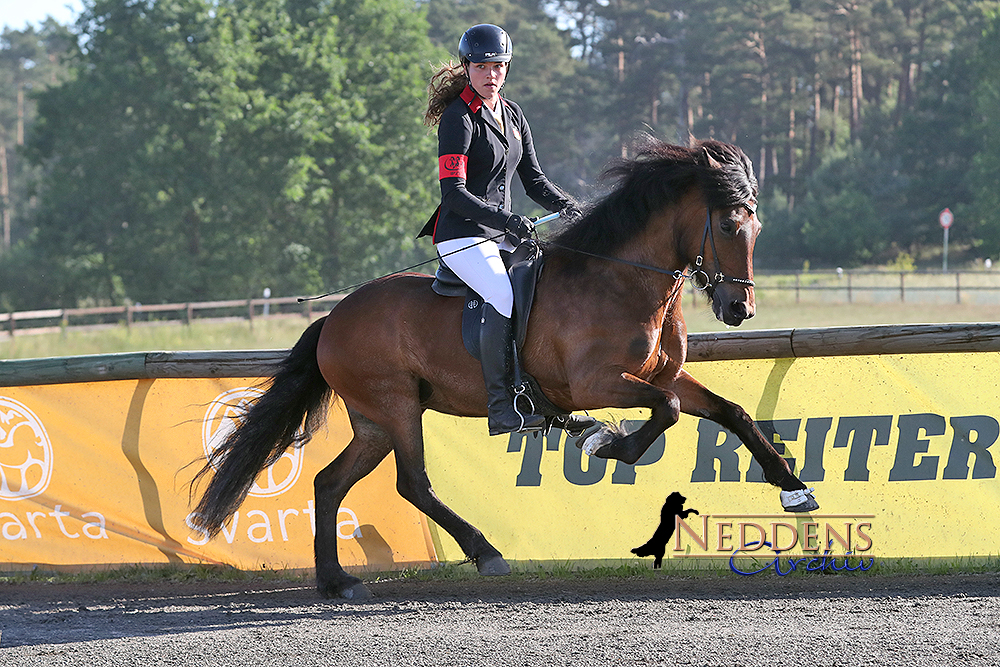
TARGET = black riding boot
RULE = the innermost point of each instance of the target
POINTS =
(496, 348)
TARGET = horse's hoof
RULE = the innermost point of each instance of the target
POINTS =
(356, 593)
(349, 589)
(493, 567)
(801, 500)
(599, 437)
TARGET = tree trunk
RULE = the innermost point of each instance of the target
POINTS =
(857, 93)
(4, 195)
(791, 144)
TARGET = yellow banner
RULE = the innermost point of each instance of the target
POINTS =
(98, 473)
(899, 449)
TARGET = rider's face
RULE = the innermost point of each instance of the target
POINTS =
(487, 78)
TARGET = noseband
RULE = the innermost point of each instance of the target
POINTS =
(699, 277)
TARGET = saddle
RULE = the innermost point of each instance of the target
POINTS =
(524, 266)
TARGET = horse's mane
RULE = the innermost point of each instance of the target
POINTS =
(659, 175)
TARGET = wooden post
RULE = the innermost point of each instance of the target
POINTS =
(958, 287)
(902, 290)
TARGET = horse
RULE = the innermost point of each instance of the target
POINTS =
(606, 331)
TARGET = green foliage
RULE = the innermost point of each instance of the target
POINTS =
(904, 262)
(200, 141)
(985, 177)
(201, 149)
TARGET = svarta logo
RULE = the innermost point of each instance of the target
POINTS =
(25, 452)
(221, 419)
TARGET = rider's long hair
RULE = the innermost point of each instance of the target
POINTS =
(444, 88)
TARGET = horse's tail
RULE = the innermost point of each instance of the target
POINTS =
(289, 412)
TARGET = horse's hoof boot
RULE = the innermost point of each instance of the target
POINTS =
(493, 567)
(596, 440)
(575, 425)
(801, 500)
(356, 593)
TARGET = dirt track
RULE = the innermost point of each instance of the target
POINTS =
(760, 620)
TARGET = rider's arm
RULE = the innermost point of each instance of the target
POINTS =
(456, 166)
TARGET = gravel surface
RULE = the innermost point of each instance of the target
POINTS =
(761, 620)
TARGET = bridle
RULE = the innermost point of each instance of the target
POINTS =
(699, 278)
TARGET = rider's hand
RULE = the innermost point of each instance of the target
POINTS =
(570, 211)
(520, 226)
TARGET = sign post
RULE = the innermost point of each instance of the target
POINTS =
(945, 218)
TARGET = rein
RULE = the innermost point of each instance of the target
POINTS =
(699, 277)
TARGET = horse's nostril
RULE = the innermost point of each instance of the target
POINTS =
(739, 309)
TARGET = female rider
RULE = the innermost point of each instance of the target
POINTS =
(482, 140)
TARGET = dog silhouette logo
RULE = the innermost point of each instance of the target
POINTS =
(657, 544)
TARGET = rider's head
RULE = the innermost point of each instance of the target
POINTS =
(485, 51)
(485, 43)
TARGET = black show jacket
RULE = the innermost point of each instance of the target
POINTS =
(476, 163)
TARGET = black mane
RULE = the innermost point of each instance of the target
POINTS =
(659, 175)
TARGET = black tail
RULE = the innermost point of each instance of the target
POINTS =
(288, 413)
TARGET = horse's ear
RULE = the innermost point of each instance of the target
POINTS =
(709, 160)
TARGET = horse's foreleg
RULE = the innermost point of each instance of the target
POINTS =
(698, 401)
(414, 485)
(630, 392)
(369, 446)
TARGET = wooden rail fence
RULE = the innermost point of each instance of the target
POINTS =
(967, 287)
(762, 344)
(59, 319)
(856, 286)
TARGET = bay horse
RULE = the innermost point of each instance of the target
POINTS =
(606, 330)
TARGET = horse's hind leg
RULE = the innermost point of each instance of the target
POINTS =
(414, 485)
(369, 446)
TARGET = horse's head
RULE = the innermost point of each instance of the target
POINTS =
(726, 271)
(724, 264)
(670, 191)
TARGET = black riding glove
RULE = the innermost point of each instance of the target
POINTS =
(520, 226)
(570, 211)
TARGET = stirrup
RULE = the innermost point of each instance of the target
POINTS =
(522, 391)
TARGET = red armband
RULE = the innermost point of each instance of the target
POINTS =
(452, 166)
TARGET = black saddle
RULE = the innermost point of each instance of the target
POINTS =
(524, 266)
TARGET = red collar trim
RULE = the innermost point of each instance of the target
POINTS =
(475, 102)
(470, 97)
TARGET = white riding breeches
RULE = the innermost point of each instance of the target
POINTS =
(478, 263)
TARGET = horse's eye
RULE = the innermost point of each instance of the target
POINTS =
(728, 227)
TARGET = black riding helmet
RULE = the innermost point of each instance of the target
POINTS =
(485, 43)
